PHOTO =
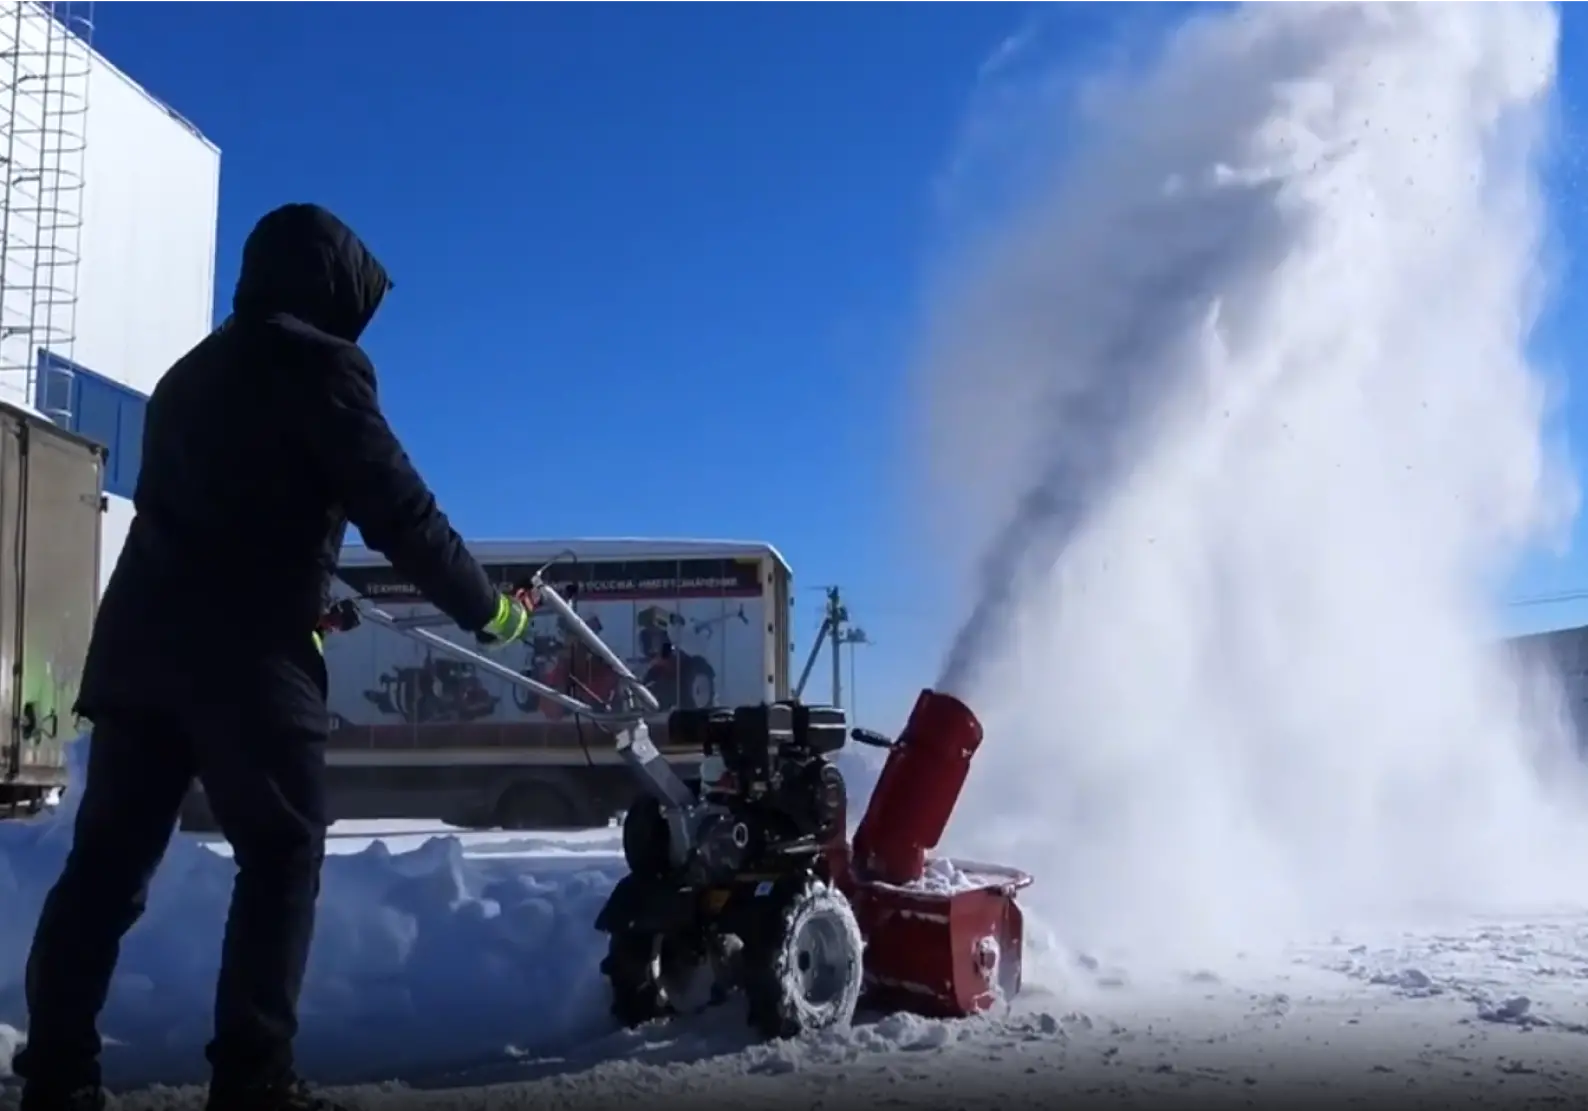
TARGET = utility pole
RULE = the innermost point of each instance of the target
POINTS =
(837, 631)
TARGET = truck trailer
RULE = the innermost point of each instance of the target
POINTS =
(417, 734)
(51, 504)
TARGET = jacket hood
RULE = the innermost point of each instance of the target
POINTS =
(301, 261)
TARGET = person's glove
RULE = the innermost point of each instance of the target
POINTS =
(511, 622)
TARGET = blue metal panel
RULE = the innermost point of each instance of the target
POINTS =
(94, 406)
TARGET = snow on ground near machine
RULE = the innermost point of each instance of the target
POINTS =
(495, 930)
(448, 961)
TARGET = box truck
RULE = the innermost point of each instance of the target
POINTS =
(417, 734)
(51, 501)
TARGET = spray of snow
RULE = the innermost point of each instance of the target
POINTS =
(1247, 383)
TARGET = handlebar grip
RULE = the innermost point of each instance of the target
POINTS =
(342, 617)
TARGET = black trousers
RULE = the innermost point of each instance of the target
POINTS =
(260, 754)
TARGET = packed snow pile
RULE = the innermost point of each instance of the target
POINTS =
(497, 937)
(493, 932)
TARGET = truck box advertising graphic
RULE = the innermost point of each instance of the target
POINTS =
(694, 631)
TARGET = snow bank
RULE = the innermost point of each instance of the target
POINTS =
(423, 956)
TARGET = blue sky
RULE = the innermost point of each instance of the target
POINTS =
(656, 264)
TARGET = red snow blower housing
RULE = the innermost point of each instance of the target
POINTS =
(746, 880)
(945, 943)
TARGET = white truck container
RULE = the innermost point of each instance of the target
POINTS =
(418, 734)
(51, 503)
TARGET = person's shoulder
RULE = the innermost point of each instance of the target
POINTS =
(315, 352)
(306, 336)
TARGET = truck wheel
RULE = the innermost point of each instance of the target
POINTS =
(802, 970)
(537, 805)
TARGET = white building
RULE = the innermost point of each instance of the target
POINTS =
(108, 214)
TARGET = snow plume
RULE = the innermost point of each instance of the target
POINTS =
(1243, 395)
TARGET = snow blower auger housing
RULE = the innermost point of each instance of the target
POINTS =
(746, 879)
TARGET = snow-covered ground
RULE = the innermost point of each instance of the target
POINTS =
(447, 962)
(493, 932)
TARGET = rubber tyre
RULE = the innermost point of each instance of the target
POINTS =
(646, 839)
(803, 972)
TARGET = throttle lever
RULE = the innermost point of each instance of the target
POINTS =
(871, 738)
(532, 586)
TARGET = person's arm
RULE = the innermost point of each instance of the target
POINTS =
(387, 500)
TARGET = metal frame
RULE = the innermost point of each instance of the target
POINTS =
(46, 65)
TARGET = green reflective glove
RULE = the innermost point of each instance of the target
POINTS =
(511, 622)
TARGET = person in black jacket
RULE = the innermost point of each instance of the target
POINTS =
(260, 445)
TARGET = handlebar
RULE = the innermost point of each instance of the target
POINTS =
(631, 702)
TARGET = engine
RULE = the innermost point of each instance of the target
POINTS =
(769, 792)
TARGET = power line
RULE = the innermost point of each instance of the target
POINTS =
(851, 638)
(1578, 594)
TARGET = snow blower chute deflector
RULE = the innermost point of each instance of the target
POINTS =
(747, 880)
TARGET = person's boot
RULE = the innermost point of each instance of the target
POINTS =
(37, 1097)
(282, 1092)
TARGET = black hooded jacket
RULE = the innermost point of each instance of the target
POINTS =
(259, 446)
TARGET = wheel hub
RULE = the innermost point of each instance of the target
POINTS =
(821, 959)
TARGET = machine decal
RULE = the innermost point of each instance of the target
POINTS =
(692, 629)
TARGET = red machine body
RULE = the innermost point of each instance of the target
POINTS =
(946, 944)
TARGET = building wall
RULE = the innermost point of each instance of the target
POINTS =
(147, 276)
(146, 282)
(143, 245)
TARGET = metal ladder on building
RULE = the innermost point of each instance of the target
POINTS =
(46, 59)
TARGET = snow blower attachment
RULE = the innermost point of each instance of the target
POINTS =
(943, 937)
(746, 879)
